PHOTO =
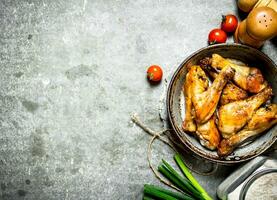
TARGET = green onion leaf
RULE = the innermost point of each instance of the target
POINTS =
(184, 180)
(147, 198)
(177, 195)
(179, 181)
(190, 177)
(172, 178)
(156, 193)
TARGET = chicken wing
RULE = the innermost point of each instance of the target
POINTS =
(189, 123)
(230, 92)
(205, 98)
(208, 134)
(263, 119)
(248, 78)
(233, 116)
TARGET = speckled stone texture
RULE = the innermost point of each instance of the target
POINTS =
(71, 74)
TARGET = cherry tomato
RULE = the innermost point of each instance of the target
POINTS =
(217, 36)
(229, 23)
(154, 73)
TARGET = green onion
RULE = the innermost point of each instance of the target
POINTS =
(184, 180)
(177, 195)
(179, 181)
(189, 186)
(147, 198)
(156, 193)
(172, 178)
(193, 181)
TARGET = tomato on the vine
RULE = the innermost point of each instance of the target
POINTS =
(154, 73)
(217, 36)
(229, 23)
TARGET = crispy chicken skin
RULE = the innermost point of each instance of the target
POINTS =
(263, 119)
(233, 116)
(208, 134)
(189, 123)
(232, 93)
(248, 78)
(239, 116)
(205, 98)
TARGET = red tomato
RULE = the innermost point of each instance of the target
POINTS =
(217, 36)
(154, 73)
(229, 23)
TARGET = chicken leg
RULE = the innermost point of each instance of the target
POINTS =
(189, 123)
(248, 78)
(233, 116)
(205, 98)
(208, 134)
(230, 92)
(263, 119)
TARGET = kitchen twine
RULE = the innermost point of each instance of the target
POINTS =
(159, 135)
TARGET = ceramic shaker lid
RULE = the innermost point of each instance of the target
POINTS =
(261, 23)
(246, 5)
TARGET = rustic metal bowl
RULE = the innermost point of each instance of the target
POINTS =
(175, 101)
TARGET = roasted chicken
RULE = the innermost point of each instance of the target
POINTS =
(205, 98)
(208, 134)
(201, 102)
(233, 116)
(189, 123)
(263, 119)
(247, 78)
(230, 92)
(237, 93)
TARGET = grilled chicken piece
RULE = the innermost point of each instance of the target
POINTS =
(231, 92)
(205, 98)
(263, 119)
(189, 123)
(208, 134)
(233, 116)
(248, 78)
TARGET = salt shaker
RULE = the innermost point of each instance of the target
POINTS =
(259, 26)
(248, 5)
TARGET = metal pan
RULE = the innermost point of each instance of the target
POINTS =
(175, 101)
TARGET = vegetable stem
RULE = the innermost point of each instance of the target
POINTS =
(184, 180)
(156, 193)
(147, 198)
(173, 179)
(179, 181)
(177, 195)
(190, 177)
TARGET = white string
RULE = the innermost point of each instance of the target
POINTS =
(158, 135)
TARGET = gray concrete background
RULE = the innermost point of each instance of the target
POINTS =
(71, 73)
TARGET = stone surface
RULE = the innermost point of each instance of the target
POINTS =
(72, 72)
